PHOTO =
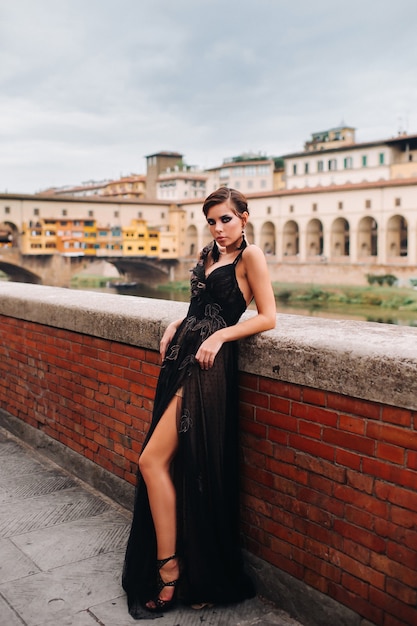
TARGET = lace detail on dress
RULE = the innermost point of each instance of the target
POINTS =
(186, 422)
(211, 322)
(173, 353)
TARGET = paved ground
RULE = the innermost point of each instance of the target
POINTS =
(61, 552)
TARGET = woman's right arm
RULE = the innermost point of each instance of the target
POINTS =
(170, 331)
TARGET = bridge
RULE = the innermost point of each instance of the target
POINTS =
(57, 270)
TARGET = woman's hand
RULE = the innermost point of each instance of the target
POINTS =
(167, 337)
(208, 350)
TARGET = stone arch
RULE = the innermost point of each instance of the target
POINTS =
(267, 238)
(367, 237)
(206, 235)
(290, 239)
(314, 240)
(9, 234)
(340, 240)
(249, 233)
(397, 236)
(191, 239)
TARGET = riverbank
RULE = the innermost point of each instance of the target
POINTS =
(373, 303)
(395, 298)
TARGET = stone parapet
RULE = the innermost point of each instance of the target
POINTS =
(328, 420)
(365, 360)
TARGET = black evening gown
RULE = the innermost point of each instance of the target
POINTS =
(205, 469)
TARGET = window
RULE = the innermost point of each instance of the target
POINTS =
(320, 166)
(64, 212)
(294, 169)
(139, 214)
(268, 210)
(250, 184)
(162, 216)
(90, 213)
(340, 205)
(263, 183)
(332, 164)
(367, 204)
(35, 211)
(381, 158)
(7, 209)
(348, 163)
(116, 214)
(314, 206)
(291, 208)
(305, 168)
(364, 160)
(397, 201)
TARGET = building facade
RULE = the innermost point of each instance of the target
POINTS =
(356, 210)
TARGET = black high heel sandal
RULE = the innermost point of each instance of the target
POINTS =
(164, 605)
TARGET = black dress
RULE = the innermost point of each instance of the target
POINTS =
(205, 469)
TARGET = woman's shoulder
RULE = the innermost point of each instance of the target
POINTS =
(254, 260)
(252, 252)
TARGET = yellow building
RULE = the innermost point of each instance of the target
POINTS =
(139, 240)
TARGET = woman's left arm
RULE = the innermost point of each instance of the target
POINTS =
(259, 282)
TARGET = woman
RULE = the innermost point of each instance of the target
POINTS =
(184, 538)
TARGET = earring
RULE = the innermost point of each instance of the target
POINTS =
(244, 243)
(215, 253)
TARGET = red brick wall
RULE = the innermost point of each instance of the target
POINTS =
(329, 481)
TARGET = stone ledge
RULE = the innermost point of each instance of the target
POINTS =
(376, 362)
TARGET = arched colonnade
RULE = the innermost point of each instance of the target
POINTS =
(366, 241)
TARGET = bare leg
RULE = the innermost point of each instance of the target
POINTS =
(154, 464)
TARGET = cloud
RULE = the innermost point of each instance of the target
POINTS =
(88, 89)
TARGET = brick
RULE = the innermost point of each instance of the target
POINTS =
(362, 607)
(309, 429)
(255, 398)
(315, 414)
(349, 441)
(412, 460)
(311, 446)
(400, 515)
(405, 554)
(395, 435)
(280, 389)
(396, 415)
(319, 466)
(353, 584)
(391, 453)
(352, 424)
(249, 381)
(289, 471)
(360, 481)
(393, 607)
(354, 406)
(281, 405)
(360, 535)
(387, 566)
(253, 428)
(314, 396)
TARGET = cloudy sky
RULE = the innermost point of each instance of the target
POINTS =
(89, 87)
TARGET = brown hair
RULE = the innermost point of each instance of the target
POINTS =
(223, 194)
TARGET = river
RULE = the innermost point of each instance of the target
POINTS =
(335, 311)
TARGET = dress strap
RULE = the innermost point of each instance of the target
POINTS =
(237, 259)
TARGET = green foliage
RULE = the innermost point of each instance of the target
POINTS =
(384, 279)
